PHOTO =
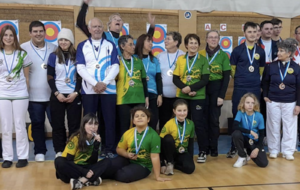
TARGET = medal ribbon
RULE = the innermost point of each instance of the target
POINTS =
(12, 62)
(137, 147)
(96, 57)
(124, 63)
(146, 69)
(285, 72)
(187, 62)
(43, 59)
(248, 53)
(298, 51)
(183, 132)
(174, 59)
(249, 124)
(213, 58)
(269, 54)
(69, 66)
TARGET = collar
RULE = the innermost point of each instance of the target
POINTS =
(211, 52)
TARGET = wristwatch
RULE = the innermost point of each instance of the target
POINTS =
(76, 93)
(56, 93)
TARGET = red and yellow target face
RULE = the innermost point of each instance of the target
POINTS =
(225, 43)
(124, 31)
(156, 50)
(242, 40)
(159, 34)
(4, 23)
(52, 30)
(228, 54)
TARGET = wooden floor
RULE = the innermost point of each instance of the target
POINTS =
(215, 174)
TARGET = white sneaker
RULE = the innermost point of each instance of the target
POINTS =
(39, 157)
(273, 156)
(169, 169)
(288, 157)
(58, 154)
(240, 162)
(248, 158)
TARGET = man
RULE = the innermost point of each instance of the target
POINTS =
(114, 25)
(277, 27)
(258, 32)
(167, 60)
(247, 62)
(98, 65)
(219, 66)
(39, 90)
(297, 37)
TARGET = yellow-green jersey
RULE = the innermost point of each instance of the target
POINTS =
(171, 128)
(80, 158)
(127, 94)
(150, 144)
(200, 68)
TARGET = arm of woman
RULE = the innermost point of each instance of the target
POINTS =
(80, 22)
(225, 82)
(26, 74)
(159, 89)
(202, 83)
(156, 167)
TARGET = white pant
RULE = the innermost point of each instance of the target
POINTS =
(277, 112)
(13, 113)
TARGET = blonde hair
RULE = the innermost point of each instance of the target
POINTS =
(111, 18)
(243, 99)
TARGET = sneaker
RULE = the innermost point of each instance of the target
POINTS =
(97, 182)
(22, 163)
(248, 158)
(75, 184)
(58, 154)
(273, 156)
(240, 162)
(103, 154)
(110, 155)
(214, 153)
(6, 164)
(288, 157)
(40, 157)
(231, 154)
(163, 169)
(202, 157)
(169, 169)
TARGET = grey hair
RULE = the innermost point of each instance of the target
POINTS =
(176, 37)
(111, 17)
(123, 40)
(287, 46)
(217, 31)
(95, 18)
(292, 41)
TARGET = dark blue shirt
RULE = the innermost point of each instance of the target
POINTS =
(243, 78)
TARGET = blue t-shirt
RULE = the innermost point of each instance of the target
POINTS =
(114, 40)
(248, 123)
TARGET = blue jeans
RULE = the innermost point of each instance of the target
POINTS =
(37, 116)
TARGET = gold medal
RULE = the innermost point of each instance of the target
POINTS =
(189, 78)
(131, 82)
(43, 66)
(282, 86)
(251, 69)
(9, 79)
(67, 80)
(181, 150)
(251, 142)
(170, 72)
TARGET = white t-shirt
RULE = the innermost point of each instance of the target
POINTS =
(17, 88)
(95, 63)
(268, 50)
(166, 60)
(39, 90)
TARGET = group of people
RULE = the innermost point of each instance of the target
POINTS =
(125, 91)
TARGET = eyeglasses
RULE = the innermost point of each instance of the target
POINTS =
(213, 37)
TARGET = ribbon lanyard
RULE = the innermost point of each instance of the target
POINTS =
(96, 57)
(137, 147)
(12, 62)
(69, 66)
(269, 55)
(248, 53)
(213, 58)
(43, 59)
(183, 132)
(146, 69)
(187, 63)
(285, 72)
(124, 63)
(174, 59)
(298, 51)
(251, 125)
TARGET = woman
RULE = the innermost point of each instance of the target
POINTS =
(216, 88)
(138, 150)
(65, 84)
(14, 73)
(79, 164)
(143, 50)
(281, 92)
(191, 76)
(131, 83)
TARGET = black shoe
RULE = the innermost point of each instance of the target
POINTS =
(214, 153)
(6, 164)
(22, 163)
(232, 153)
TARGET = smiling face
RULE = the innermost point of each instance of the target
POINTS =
(116, 24)
(64, 44)
(212, 40)
(140, 119)
(192, 46)
(96, 28)
(8, 38)
(181, 112)
(37, 35)
(147, 45)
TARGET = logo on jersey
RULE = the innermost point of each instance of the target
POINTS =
(290, 71)
(256, 56)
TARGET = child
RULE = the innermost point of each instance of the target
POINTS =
(249, 132)
(79, 161)
(178, 141)
(138, 150)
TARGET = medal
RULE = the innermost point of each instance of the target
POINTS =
(251, 142)
(147, 78)
(43, 59)
(97, 66)
(43, 66)
(146, 68)
(137, 147)
(282, 77)
(250, 124)
(67, 80)
(9, 79)
(282, 86)
(170, 72)
(189, 78)
(131, 82)
(99, 48)
(251, 69)
(213, 58)
(181, 136)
